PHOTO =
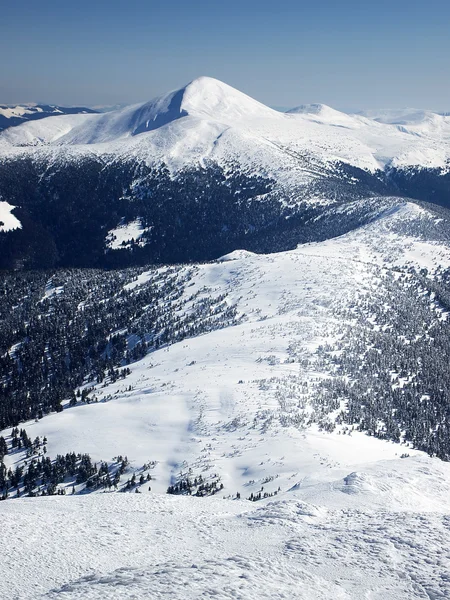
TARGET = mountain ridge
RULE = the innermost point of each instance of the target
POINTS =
(205, 165)
(14, 115)
(363, 141)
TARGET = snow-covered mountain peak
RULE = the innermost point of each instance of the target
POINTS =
(323, 111)
(206, 96)
(310, 109)
(324, 114)
(203, 98)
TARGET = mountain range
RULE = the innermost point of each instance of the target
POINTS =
(11, 116)
(200, 172)
(240, 316)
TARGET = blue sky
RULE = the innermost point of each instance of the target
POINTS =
(349, 54)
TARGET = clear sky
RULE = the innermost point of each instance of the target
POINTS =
(347, 53)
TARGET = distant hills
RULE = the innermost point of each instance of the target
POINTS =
(10, 116)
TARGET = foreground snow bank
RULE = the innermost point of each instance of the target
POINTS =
(153, 546)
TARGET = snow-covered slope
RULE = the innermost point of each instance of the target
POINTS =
(348, 515)
(242, 402)
(43, 131)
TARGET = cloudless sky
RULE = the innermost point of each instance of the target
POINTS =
(349, 54)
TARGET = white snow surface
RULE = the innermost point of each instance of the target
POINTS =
(351, 519)
(209, 120)
(121, 236)
(41, 131)
(161, 547)
(7, 220)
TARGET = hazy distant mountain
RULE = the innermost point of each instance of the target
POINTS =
(10, 116)
(102, 108)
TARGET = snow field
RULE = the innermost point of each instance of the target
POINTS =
(131, 546)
